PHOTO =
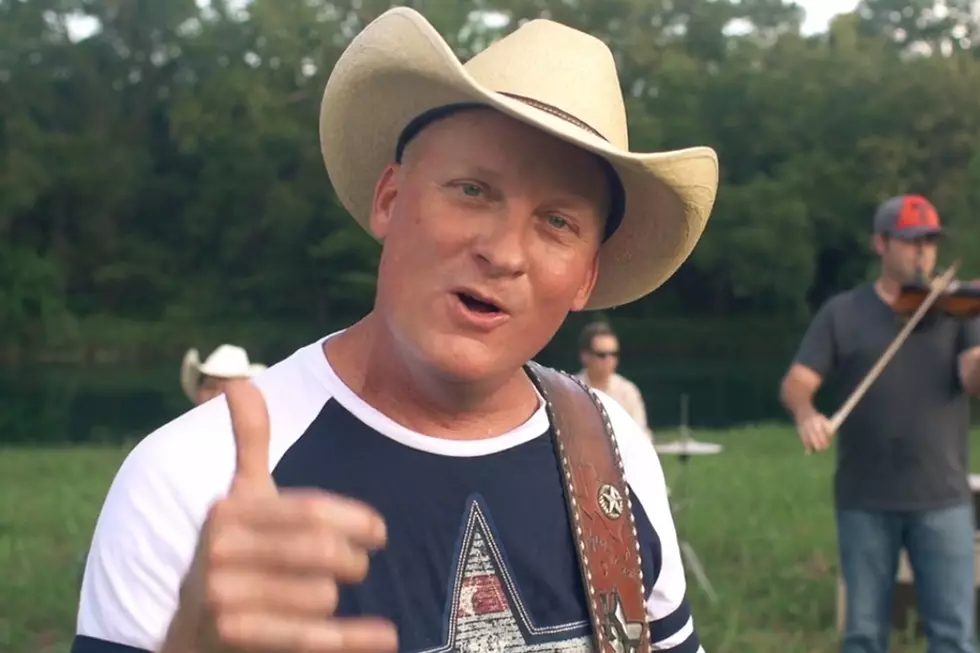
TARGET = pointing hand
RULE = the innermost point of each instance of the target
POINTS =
(268, 563)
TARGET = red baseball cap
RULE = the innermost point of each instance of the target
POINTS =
(907, 217)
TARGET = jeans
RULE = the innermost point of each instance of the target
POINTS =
(939, 544)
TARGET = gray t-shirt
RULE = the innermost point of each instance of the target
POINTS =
(904, 446)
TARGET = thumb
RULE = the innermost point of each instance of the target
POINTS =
(828, 426)
(250, 428)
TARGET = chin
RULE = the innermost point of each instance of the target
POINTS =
(467, 359)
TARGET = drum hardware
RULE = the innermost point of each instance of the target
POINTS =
(684, 448)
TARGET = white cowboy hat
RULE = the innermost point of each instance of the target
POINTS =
(545, 74)
(225, 362)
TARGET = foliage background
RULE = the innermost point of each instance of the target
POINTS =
(161, 184)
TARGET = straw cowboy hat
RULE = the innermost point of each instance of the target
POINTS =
(225, 362)
(545, 74)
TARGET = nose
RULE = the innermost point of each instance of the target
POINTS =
(502, 248)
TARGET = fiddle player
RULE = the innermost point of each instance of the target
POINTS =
(901, 478)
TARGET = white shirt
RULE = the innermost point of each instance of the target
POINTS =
(626, 395)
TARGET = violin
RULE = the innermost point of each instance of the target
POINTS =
(944, 294)
(960, 300)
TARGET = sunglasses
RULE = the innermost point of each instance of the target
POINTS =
(605, 354)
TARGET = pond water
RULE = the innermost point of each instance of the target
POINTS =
(58, 404)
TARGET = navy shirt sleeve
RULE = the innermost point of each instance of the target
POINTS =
(83, 644)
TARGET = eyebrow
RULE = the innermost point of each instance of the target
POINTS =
(573, 200)
(482, 172)
(568, 198)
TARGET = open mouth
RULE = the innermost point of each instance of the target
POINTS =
(478, 305)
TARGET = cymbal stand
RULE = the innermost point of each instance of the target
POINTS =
(688, 554)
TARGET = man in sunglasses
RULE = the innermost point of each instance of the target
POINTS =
(599, 353)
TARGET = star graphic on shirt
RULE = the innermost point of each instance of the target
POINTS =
(486, 613)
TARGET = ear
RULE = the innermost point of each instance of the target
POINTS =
(588, 283)
(385, 192)
(878, 244)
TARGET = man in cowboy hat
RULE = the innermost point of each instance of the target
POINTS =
(433, 517)
(204, 381)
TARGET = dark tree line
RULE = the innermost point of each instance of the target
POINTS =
(163, 173)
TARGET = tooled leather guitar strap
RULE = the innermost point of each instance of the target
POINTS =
(600, 512)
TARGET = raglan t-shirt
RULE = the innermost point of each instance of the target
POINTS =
(479, 557)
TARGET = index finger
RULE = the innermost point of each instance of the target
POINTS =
(297, 509)
(250, 428)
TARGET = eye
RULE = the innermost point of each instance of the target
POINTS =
(470, 189)
(557, 221)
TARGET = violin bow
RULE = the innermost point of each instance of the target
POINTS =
(939, 285)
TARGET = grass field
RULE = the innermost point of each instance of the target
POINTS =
(759, 515)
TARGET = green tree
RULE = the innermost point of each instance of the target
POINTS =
(164, 173)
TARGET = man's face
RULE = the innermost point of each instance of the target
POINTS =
(602, 357)
(491, 234)
(906, 260)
